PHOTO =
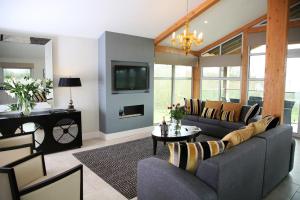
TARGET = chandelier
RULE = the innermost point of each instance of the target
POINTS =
(186, 39)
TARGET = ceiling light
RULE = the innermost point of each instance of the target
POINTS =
(205, 22)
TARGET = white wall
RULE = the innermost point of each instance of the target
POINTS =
(78, 57)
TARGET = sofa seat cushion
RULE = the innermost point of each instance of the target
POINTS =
(209, 121)
(232, 125)
(194, 118)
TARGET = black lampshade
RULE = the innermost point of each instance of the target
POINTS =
(69, 82)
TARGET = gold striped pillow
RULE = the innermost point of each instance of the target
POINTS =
(208, 113)
(192, 106)
(227, 116)
(187, 155)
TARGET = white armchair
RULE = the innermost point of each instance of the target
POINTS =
(14, 147)
(26, 179)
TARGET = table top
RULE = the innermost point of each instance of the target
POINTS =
(186, 131)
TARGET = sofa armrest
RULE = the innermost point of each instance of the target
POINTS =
(293, 146)
(158, 180)
(24, 168)
(67, 185)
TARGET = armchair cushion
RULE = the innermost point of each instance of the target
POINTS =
(16, 140)
(67, 185)
(28, 169)
(11, 154)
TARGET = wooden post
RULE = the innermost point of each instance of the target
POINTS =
(245, 60)
(196, 81)
(277, 27)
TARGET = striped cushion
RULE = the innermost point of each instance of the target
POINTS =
(40, 97)
(251, 113)
(208, 113)
(266, 123)
(227, 116)
(192, 106)
(187, 155)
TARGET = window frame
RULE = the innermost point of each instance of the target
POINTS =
(249, 79)
(173, 79)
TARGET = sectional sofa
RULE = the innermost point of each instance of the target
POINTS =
(248, 171)
(217, 128)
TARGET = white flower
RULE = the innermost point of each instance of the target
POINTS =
(11, 94)
(30, 93)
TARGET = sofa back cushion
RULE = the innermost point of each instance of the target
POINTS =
(236, 107)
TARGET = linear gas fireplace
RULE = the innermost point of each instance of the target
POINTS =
(131, 111)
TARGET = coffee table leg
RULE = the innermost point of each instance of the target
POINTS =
(154, 146)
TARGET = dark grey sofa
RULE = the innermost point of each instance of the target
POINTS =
(247, 171)
(216, 128)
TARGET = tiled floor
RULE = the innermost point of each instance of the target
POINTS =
(96, 189)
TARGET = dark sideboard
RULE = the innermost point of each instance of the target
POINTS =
(54, 130)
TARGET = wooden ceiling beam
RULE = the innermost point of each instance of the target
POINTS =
(191, 15)
(172, 50)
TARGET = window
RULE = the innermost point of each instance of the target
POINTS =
(171, 85)
(221, 83)
(256, 72)
(162, 90)
(17, 73)
(292, 90)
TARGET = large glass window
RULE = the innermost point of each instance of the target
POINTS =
(162, 90)
(221, 83)
(256, 74)
(171, 85)
(182, 83)
(292, 90)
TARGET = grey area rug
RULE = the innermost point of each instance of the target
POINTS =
(117, 164)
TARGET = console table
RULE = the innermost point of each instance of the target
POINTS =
(54, 130)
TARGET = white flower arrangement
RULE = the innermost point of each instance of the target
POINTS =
(25, 89)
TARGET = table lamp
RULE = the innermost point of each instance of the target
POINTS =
(70, 82)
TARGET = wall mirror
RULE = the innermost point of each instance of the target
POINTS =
(22, 56)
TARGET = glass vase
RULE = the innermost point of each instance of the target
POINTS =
(25, 106)
(177, 126)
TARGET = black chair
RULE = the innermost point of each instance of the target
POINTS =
(27, 179)
(288, 108)
(234, 100)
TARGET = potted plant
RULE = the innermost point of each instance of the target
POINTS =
(177, 112)
(24, 90)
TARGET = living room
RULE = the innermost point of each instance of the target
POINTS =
(184, 99)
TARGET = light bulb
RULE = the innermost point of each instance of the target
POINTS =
(195, 33)
(200, 36)
(173, 35)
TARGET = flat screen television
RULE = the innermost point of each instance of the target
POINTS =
(130, 78)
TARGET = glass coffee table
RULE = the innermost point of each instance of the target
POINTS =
(186, 133)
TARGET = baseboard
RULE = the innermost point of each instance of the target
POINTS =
(92, 135)
(146, 131)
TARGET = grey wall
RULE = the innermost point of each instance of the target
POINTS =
(121, 47)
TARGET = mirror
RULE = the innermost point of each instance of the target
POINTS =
(25, 56)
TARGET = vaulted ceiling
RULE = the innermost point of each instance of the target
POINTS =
(89, 18)
(223, 18)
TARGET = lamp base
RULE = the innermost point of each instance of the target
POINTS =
(71, 106)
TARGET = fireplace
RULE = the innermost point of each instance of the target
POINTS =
(131, 111)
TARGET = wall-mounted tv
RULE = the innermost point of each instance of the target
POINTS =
(127, 77)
